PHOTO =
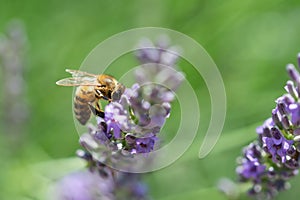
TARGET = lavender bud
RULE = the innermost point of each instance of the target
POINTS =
(266, 132)
(289, 174)
(291, 151)
(287, 99)
(290, 88)
(276, 119)
(130, 139)
(285, 122)
(296, 131)
(292, 164)
(281, 108)
(167, 107)
(294, 74)
(298, 88)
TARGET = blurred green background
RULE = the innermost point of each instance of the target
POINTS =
(250, 41)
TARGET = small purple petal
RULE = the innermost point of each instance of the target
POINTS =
(145, 145)
(295, 113)
(276, 136)
(276, 118)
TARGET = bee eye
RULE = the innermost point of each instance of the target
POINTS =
(116, 95)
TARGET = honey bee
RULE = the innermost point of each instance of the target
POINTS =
(90, 89)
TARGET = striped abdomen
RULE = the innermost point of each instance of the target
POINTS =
(83, 96)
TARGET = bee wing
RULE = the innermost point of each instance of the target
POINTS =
(79, 78)
(77, 73)
(78, 81)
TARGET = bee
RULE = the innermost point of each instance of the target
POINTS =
(90, 89)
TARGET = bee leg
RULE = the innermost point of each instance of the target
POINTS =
(96, 110)
(105, 98)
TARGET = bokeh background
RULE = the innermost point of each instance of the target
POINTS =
(250, 41)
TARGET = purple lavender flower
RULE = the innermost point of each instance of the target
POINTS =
(145, 145)
(158, 69)
(278, 147)
(252, 170)
(13, 47)
(131, 187)
(132, 123)
(84, 185)
(150, 113)
(251, 167)
(117, 119)
(132, 117)
(271, 162)
(255, 167)
(264, 130)
(160, 52)
(100, 182)
(114, 184)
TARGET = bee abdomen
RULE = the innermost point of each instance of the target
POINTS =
(82, 112)
(83, 97)
(83, 116)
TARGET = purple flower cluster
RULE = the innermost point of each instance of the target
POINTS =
(130, 126)
(271, 161)
(252, 166)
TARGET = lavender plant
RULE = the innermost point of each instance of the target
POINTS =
(100, 182)
(273, 159)
(131, 125)
(13, 46)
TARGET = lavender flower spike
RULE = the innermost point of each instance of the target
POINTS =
(131, 125)
(129, 128)
(273, 159)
